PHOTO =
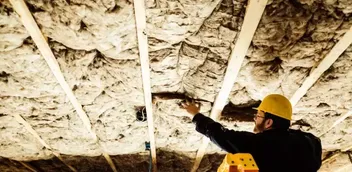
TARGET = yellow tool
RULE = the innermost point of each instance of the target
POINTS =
(239, 162)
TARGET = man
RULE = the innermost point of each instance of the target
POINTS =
(274, 146)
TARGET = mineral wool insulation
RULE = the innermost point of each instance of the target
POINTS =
(190, 42)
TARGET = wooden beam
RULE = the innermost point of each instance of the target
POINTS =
(342, 168)
(347, 148)
(337, 122)
(344, 150)
(30, 24)
(110, 162)
(38, 38)
(331, 158)
(30, 129)
(61, 159)
(324, 65)
(141, 26)
(252, 18)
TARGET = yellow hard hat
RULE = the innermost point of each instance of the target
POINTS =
(278, 105)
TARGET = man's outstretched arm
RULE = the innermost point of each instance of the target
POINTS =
(229, 140)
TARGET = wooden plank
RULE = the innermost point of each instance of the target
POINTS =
(252, 17)
(141, 26)
(28, 166)
(324, 65)
(110, 162)
(30, 24)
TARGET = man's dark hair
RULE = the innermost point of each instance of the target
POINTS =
(278, 122)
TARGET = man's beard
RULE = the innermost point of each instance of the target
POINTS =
(258, 128)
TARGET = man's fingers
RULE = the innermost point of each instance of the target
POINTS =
(184, 104)
(189, 102)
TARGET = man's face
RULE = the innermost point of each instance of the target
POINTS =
(259, 122)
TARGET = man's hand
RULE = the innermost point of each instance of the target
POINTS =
(191, 107)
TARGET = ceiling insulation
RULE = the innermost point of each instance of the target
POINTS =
(95, 44)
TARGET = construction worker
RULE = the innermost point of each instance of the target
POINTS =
(274, 146)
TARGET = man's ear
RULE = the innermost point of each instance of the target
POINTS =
(268, 123)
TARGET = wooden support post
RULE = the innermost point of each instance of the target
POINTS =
(141, 26)
(252, 17)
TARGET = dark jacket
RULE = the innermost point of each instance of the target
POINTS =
(273, 150)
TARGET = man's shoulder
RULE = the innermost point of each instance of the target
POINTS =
(303, 134)
(290, 135)
(313, 146)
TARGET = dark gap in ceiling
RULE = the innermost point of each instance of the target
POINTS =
(33, 8)
(141, 114)
(174, 95)
(241, 113)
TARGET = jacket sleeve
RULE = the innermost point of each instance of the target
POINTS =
(229, 140)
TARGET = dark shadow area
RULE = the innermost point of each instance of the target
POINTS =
(7, 165)
(88, 164)
(168, 161)
(53, 164)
